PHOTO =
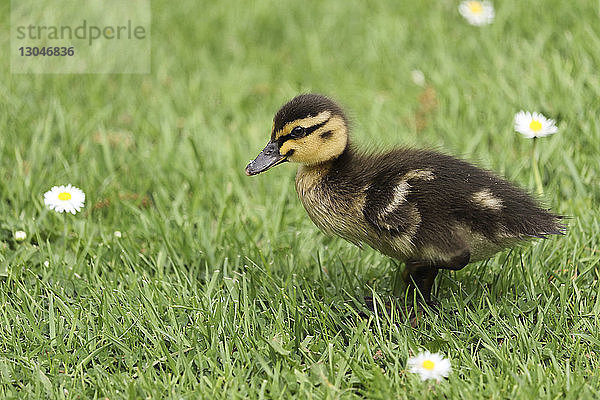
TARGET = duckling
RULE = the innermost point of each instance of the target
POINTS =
(426, 209)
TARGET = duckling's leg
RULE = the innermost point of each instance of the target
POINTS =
(420, 275)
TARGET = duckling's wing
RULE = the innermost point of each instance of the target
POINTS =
(387, 208)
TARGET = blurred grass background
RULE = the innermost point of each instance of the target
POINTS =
(221, 287)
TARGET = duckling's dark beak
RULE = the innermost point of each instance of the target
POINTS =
(268, 157)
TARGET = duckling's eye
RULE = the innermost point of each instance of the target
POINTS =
(298, 131)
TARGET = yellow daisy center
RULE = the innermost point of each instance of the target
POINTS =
(475, 7)
(64, 196)
(428, 364)
(535, 125)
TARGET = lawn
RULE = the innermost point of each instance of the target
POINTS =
(220, 286)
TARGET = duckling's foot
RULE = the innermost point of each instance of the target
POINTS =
(415, 314)
(410, 312)
(371, 305)
(433, 304)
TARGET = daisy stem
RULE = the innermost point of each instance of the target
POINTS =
(536, 171)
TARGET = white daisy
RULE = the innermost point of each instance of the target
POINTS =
(533, 125)
(64, 198)
(429, 365)
(477, 13)
(20, 236)
(117, 234)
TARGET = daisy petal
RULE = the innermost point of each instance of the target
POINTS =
(65, 198)
(429, 365)
(477, 13)
(532, 125)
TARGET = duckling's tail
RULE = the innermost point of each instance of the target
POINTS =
(552, 226)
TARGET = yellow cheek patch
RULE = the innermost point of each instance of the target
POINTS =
(305, 122)
(314, 149)
(290, 145)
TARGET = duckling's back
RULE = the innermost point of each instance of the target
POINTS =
(420, 204)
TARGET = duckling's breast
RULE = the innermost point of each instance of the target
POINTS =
(333, 211)
(338, 209)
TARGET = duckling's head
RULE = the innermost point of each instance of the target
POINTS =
(310, 129)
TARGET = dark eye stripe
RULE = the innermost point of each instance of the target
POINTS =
(313, 128)
(307, 131)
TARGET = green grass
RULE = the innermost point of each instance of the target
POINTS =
(221, 287)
